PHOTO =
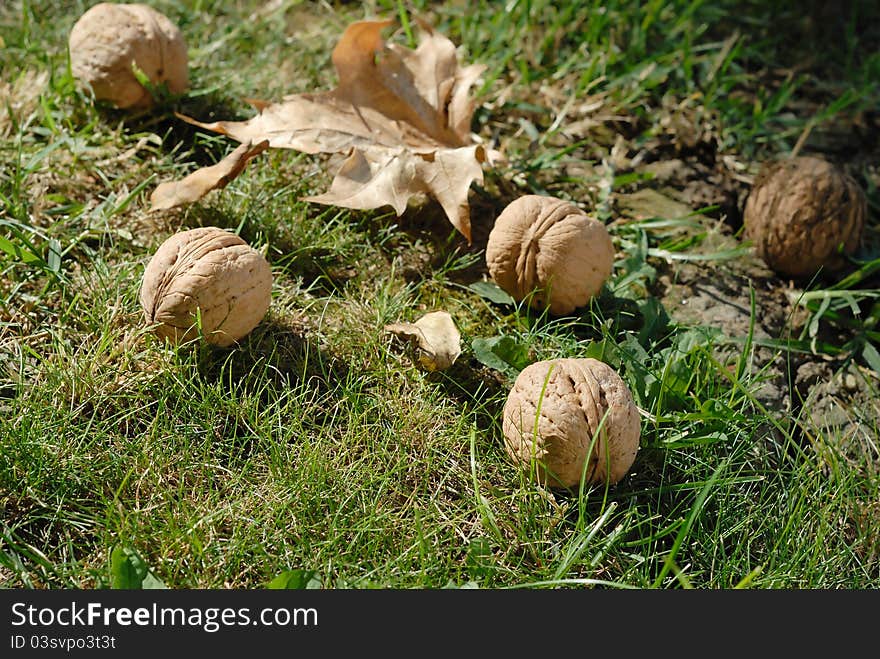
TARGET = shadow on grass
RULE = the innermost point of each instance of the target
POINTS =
(321, 269)
(179, 136)
(479, 389)
(424, 241)
(283, 355)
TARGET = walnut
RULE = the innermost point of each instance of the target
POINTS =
(803, 214)
(210, 277)
(108, 38)
(585, 404)
(551, 248)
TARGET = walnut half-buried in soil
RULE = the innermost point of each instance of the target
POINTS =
(804, 214)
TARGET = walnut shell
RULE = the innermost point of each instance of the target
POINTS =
(210, 272)
(552, 248)
(801, 212)
(108, 38)
(579, 394)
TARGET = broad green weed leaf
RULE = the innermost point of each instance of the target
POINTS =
(872, 357)
(467, 585)
(503, 353)
(129, 571)
(479, 557)
(296, 580)
(491, 291)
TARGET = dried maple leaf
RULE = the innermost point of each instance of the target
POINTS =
(195, 186)
(403, 117)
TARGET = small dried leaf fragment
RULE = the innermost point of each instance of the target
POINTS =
(402, 117)
(436, 337)
(195, 186)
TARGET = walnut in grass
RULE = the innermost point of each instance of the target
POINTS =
(206, 277)
(109, 38)
(567, 419)
(550, 252)
(804, 214)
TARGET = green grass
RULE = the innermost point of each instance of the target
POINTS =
(316, 444)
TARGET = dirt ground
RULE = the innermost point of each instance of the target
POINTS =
(835, 395)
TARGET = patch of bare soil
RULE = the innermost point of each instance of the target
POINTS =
(834, 396)
(681, 171)
(721, 297)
